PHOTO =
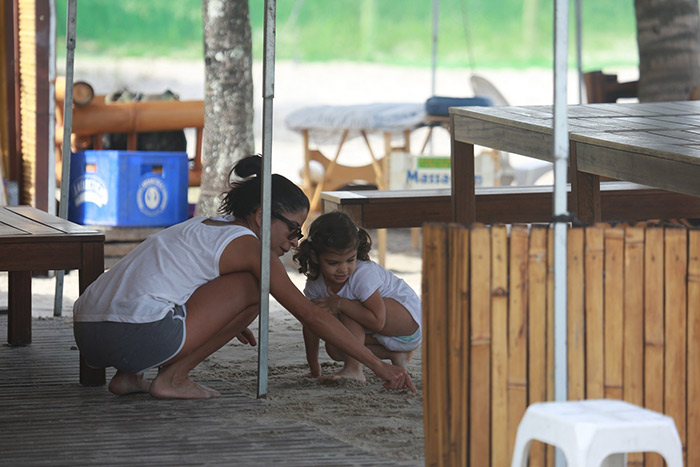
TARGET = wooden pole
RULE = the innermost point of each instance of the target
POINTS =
(434, 304)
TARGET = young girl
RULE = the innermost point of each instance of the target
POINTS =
(379, 309)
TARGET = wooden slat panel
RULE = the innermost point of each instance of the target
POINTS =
(576, 370)
(693, 451)
(595, 324)
(499, 345)
(517, 331)
(654, 327)
(458, 341)
(434, 294)
(537, 327)
(27, 97)
(633, 360)
(675, 256)
(480, 343)
(614, 260)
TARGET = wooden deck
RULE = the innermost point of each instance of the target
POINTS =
(47, 418)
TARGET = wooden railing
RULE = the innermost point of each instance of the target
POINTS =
(633, 318)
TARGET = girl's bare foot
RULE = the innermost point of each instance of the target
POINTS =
(401, 359)
(169, 388)
(128, 383)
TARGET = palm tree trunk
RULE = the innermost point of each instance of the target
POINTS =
(228, 96)
(668, 36)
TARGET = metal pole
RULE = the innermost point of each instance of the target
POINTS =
(433, 66)
(436, 15)
(71, 19)
(265, 195)
(561, 155)
(579, 48)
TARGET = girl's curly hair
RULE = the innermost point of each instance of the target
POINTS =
(331, 231)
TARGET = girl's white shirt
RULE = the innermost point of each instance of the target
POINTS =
(161, 272)
(368, 278)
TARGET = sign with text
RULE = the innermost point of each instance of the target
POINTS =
(409, 171)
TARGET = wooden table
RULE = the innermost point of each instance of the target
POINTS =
(656, 144)
(33, 240)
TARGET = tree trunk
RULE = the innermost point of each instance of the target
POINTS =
(228, 96)
(668, 37)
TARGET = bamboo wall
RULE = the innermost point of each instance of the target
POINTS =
(633, 300)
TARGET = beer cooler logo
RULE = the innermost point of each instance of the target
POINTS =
(89, 189)
(152, 196)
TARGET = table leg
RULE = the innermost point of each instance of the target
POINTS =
(463, 196)
(92, 266)
(19, 316)
(585, 192)
(306, 170)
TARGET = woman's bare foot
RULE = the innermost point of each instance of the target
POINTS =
(128, 383)
(347, 373)
(164, 387)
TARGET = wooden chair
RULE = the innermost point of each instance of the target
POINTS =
(605, 88)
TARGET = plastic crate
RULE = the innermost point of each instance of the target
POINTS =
(128, 188)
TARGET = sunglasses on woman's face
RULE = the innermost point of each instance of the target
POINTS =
(294, 228)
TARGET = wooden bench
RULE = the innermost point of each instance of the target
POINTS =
(33, 240)
(411, 208)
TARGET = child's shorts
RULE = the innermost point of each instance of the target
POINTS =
(131, 347)
(400, 343)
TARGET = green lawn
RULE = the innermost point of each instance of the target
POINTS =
(477, 33)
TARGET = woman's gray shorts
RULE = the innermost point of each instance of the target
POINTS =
(131, 347)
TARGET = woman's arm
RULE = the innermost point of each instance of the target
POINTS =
(311, 345)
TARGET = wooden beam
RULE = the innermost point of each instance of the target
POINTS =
(620, 201)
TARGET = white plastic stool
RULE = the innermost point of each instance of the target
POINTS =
(589, 431)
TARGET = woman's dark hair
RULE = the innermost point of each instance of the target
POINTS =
(244, 196)
(331, 231)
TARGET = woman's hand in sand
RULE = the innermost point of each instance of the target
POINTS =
(247, 337)
(395, 377)
(314, 372)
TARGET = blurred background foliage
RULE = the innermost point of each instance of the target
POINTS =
(472, 33)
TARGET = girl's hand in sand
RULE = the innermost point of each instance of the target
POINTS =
(247, 337)
(395, 377)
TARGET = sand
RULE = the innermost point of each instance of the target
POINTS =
(387, 423)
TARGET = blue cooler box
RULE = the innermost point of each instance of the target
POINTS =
(128, 188)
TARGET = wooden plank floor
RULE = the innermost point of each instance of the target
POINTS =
(47, 418)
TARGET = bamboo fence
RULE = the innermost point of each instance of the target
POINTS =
(633, 332)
